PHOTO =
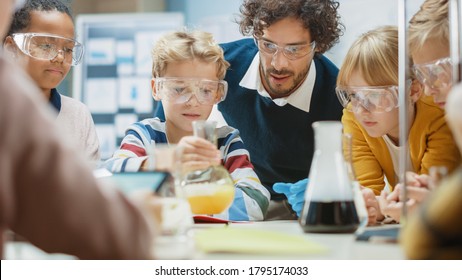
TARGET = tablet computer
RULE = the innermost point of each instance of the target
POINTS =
(129, 182)
(379, 235)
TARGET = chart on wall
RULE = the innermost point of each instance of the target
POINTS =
(114, 78)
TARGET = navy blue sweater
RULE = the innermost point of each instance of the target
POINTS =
(280, 140)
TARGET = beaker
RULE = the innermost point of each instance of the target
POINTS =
(329, 202)
(210, 190)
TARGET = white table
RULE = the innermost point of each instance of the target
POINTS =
(340, 246)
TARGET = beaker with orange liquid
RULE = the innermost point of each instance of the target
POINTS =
(211, 190)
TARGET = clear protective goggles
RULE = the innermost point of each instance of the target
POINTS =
(292, 52)
(436, 74)
(379, 99)
(180, 90)
(49, 46)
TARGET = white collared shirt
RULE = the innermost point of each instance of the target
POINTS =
(300, 99)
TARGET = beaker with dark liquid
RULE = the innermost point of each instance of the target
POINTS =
(329, 202)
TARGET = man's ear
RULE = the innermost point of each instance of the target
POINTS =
(154, 91)
(416, 90)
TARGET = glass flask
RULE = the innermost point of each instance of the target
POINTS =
(329, 202)
(173, 214)
(210, 190)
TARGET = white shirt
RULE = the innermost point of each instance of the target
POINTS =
(300, 99)
(394, 153)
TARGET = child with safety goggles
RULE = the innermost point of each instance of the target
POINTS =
(41, 39)
(429, 49)
(367, 88)
(188, 71)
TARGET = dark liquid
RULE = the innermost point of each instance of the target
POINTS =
(330, 217)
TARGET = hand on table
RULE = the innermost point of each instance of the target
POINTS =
(392, 204)
(416, 180)
(372, 205)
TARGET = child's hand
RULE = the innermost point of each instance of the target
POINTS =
(372, 206)
(198, 153)
(392, 204)
(416, 180)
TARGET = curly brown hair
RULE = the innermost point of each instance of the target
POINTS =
(318, 16)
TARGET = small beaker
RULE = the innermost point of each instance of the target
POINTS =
(173, 240)
(175, 218)
(166, 157)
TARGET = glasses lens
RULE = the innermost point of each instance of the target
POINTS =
(298, 51)
(343, 96)
(267, 47)
(436, 75)
(173, 90)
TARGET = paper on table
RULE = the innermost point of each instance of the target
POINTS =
(253, 241)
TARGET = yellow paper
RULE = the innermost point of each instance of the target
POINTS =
(253, 241)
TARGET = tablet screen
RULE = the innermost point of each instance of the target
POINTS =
(129, 182)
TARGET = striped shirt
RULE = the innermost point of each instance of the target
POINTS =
(251, 197)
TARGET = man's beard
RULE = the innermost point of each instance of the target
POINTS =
(277, 91)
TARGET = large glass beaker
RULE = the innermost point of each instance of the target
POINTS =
(329, 203)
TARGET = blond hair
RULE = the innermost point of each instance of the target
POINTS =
(430, 22)
(375, 56)
(187, 45)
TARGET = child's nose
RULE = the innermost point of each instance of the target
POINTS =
(193, 101)
(59, 56)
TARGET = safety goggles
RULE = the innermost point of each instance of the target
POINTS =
(292, 52)
(436, 74)
(180, 90)
(381, 99)
(48, 47)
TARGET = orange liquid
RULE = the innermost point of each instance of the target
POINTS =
(208, 199)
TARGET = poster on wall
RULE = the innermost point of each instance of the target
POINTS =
(114, 78)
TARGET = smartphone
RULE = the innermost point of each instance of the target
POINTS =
(128, 182)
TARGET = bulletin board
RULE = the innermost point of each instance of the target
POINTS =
(114, 77)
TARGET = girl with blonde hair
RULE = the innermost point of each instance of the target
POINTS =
(367, 87)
